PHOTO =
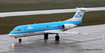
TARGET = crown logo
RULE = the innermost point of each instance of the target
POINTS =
(78, 15)
(29, 27)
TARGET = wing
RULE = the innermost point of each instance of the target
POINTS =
(63, 32)
(23, 13)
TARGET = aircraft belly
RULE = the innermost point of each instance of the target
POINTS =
(34, 33)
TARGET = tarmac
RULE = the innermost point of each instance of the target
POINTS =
(69, 43)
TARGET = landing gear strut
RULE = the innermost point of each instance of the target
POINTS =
(45, 36)
(20, 40)
(57, 37)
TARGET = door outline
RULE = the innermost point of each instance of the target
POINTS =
(25, 30)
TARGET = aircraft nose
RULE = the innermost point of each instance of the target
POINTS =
(14, 34)
(11, 35)
(11, 32)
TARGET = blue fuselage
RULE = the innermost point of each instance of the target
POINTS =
(42, 27)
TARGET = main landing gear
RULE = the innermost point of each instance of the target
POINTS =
(56, 37)
(45, 37)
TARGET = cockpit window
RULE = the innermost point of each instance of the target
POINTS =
(17, 30)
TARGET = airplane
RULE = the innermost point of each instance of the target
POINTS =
(49, 28)
(57, 28)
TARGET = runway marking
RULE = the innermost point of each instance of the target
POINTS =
(103, 36)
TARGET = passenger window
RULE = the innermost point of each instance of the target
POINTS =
(48, 26)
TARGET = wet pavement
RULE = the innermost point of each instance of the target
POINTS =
(69, 43)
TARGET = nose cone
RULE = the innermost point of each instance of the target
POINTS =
(17, 31)
(11, 34)
(15, 34)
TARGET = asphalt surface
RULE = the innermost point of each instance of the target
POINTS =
(69, 43)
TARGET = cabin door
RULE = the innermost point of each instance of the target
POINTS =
(25, 30)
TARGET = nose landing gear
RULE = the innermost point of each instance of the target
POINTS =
(20, 40)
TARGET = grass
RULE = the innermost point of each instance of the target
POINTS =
(17, 5)
(90, 18)
(8, 23)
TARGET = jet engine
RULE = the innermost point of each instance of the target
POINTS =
(68, 26)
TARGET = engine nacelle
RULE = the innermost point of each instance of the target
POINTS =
(68, 26)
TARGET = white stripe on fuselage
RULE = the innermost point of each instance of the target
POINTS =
(31, 33)
(26, 34)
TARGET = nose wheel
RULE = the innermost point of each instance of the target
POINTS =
(20, 40)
